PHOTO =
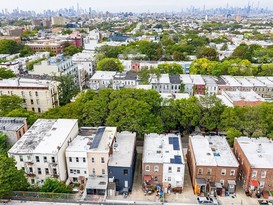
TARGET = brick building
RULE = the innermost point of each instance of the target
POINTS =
(256, 163)
(212, 164)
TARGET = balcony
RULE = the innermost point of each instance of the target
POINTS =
(31, 174)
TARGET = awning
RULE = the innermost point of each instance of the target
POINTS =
(254, 182)
(147, 178)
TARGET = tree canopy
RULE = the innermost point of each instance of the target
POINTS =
(55, 186)
(110, 64)
(6, 73)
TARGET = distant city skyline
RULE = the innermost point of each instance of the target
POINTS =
(130, 5)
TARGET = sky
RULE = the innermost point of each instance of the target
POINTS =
(129, 5)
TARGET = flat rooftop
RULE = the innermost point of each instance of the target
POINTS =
(103, 75)
(212, 151)
(45, 136)
(11, 123)
(247, 96)
(258, 151)
(266, 81)
(186, 79)
(103, 139)
(209, 80)
(123, 150)
(197, 80)
(243, 81)
(231, 81)
(162, 148)
(25, 82)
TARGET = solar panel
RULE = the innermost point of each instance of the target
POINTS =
(170, 140)
(176, 144)
(97, 138)
(177, 159)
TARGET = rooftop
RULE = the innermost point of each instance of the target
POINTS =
(243, 81)
(258, 151)
(231, 81)
(45, 136)
(175, 79)
(25, 82)
(197, 80)
(186, 79)
(247, 96)
(123, 151)
(11, 123)
(103, 75)
(103, 139)
(164, 148)
(266, 81)
(212, 151)
(209, 80)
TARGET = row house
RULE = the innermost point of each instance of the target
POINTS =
(267, 92)
(166, 83)
(163, 162)
(260, 87)
(13, 127)
(199, 84)
(38, 95)
(256, 165)
(125, 80)
(212, 165)
(187, 82)
(40, 152)
(102, 79)
(211, 87)
(246, 98)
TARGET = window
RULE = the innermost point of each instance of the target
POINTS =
(84, 172)
(169, 179)
(78, 171)
(254, 174)
(37, 159)
(103, 171)
(21, 158)
(36, 93)
(94, 171)
(125, 172)
(31, 101)
(84, 160)
(263, 174)
(77, 159)
(223, 172)
(54, 171)
(70, 159)
(232, 172)
(53, 159)
(45, 159)
(102, 160)
(156, 168)
(222, 182)
(39, 110)
(200, 171)
(147, 168)
(208, 171)
(46, 171)
(262, 184)
(39, 171)
(30, 170)
(32, 181)
(93, 160)
(71, 171)
(178, 169)
(156, 178)
(169, 169)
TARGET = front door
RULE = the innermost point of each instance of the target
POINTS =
(125, 184)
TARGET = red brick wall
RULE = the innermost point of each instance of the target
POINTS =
(152, 173)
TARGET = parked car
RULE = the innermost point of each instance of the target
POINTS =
(207, 200)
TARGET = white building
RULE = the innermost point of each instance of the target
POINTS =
(102, 79)
(38, 95)
(40, 152)
(86, 61)
(125, 80)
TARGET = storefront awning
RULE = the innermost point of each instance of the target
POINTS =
(254, 182)
(147, 178)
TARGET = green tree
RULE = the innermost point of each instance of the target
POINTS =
(232, 134)
(67, 89)
(26, 51)
(178, 56)
(71, 50)
(9, 103)
(202, 66)
(11, 179)
(266, 70)
(207, 52)
(9, 46)
(4, 145)
(55, 186)
(169, 115)
(66, 31)
(170, 68)
(110, 64)
(5, 73)
(30, 115)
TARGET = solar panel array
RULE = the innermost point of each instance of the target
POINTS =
(175, 142)
(97, 138)
(177, 160)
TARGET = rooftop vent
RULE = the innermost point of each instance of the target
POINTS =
(158, 151)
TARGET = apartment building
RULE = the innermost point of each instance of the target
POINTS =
(54, 45)
(256, 164)
(125, 80)
(13, 128)
(212, 165)
(122, 162)
(38, 95)
(86, 61)
(163, 162)
(98, 157)
(102, 79)
(40, 152)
